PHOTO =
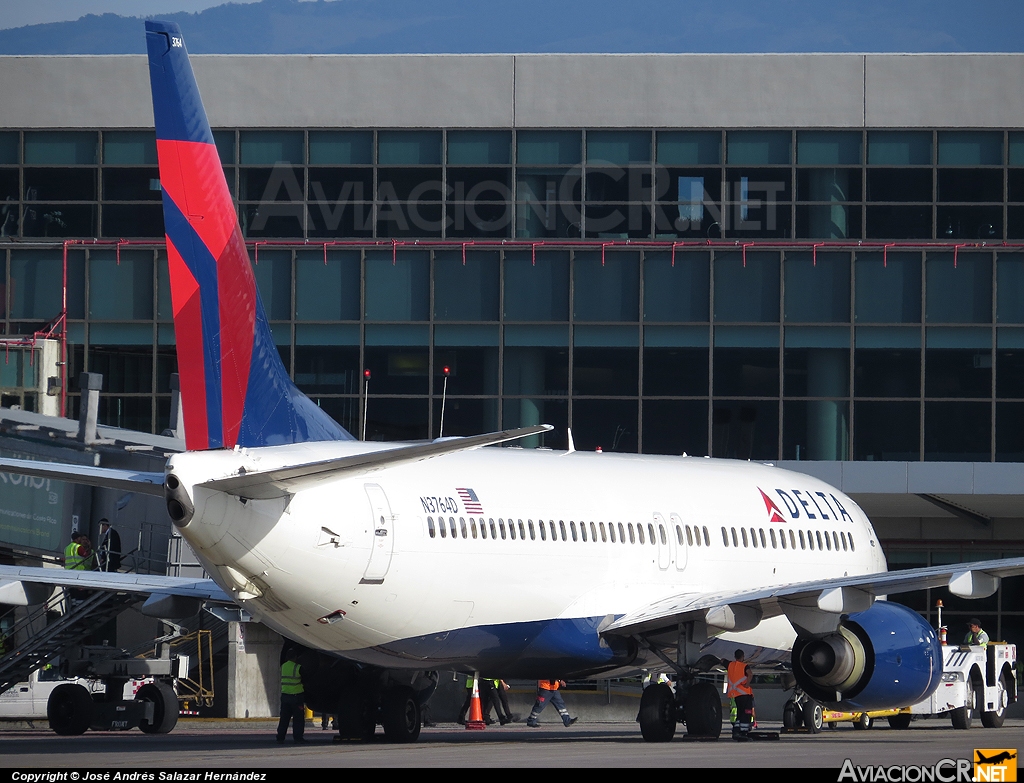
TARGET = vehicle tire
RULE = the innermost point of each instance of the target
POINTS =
(900, 721)
(69, 709)
(400, 715)
(658, 713)
(355, 717)
(165, 707)
(703, 711)
(994, 719)
(864, 722)
(814, 716)
(963, 717)
(791, 715)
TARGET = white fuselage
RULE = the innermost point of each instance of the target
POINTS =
(444, 560)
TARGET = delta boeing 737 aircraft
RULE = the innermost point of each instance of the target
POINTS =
(395, 558)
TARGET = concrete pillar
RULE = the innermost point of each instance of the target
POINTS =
(90, 384)
(827, 430)
(524, 374)
(49, 377)
(254, 671)
(829, 222)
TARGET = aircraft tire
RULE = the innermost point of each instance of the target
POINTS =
(791, 715)
(658, 713)
(69, 709)
(355, 719)
(400, 715)
(813, 716)
(994, 719)
(165, 707)
(703, 711)
(900, 722)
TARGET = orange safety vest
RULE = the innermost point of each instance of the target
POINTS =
(737, 673)
(548, 685)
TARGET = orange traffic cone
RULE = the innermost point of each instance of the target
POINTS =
(476, 714)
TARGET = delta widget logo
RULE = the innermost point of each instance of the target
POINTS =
(774, 515)
(803, 504)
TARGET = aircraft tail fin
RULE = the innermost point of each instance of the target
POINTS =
(234, 388)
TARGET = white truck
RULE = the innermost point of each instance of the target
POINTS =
(27, 700)
(976, 681)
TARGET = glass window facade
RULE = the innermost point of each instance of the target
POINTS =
(795, 294)
(788, 354)
(654, 184)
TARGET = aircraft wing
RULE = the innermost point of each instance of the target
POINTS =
(144, 584)
(277, 482)
(112, 478)
(741, 610)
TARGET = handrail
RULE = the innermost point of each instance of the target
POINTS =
(533, 243)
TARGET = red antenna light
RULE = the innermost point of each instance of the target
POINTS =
(366, 374)
(447, 371)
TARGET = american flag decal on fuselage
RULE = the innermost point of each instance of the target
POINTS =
(470, 500)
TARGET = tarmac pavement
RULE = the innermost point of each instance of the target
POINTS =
(227, 745)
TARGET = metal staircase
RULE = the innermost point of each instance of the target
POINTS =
(43, 638)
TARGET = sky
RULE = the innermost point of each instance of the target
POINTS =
(461, 26)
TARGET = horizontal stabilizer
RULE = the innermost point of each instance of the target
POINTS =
(282, 481)
(112, 478)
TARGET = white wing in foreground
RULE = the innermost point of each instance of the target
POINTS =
(741, 610)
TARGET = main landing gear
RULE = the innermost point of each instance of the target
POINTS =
(694, 702)
(697, 704)
(361, 697)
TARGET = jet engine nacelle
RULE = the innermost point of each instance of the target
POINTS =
(885, 657)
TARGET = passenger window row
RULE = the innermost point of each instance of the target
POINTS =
(611, 532)
(694, 535)
(814, 539)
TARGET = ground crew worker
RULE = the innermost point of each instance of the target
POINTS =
(293, 699)
(78, 556)
(499, 702)
(547, 690)
(467, 702)
(71, 558)
(425, 683)
(654, 679)
(86, 557)
(739, 676)
(976, 635)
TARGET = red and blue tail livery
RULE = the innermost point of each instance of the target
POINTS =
(234, 388)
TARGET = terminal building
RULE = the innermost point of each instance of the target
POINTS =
(815, 260)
